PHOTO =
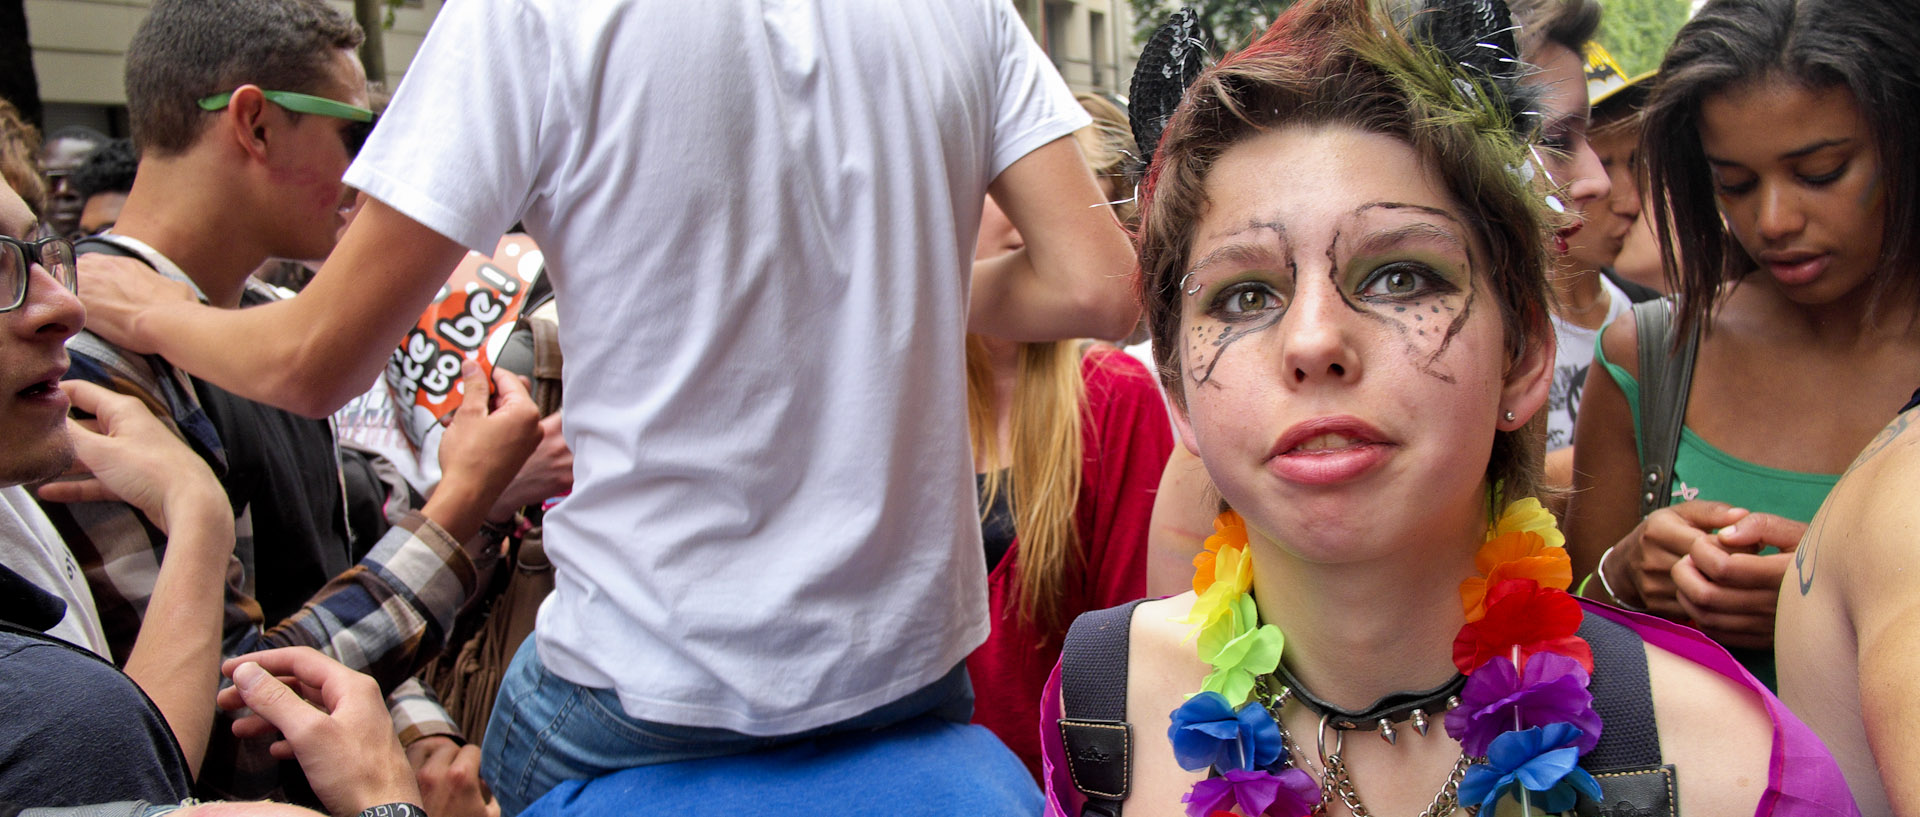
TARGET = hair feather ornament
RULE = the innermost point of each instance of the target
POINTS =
(1478, 39)
(1459, 65)
(1463, 68)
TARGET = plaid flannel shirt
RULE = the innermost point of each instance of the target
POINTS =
(384, 616)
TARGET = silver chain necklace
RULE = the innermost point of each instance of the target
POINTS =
(1333, 774)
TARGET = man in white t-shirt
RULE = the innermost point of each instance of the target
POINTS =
(759, 220)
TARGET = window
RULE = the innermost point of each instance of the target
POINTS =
(1059, 20)
(1102, 48)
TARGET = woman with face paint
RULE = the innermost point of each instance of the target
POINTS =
(1778, 146)
(1342, 269)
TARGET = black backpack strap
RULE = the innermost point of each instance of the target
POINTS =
(1626, 762)
(1093, 693)
(1665, 378)
(1622, 696)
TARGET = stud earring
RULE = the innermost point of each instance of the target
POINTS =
(1508, 416)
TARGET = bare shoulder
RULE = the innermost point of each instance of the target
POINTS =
(1163, 658)
(1620, 342)
(1162, 669)
(1715, 732)
(1867, 519)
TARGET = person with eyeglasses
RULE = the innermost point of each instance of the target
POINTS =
(82, 738)
(34, 413)
(247, 112)
(64, 705)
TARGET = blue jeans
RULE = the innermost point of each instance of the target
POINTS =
(546, 729)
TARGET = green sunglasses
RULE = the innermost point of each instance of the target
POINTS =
(354, 136)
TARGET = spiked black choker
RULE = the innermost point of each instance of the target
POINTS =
(1398, 707)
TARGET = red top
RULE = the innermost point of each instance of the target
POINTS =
(1125, 440)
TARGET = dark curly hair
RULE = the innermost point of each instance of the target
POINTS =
(108, 169)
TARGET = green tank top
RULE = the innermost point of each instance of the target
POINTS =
(1701, 471)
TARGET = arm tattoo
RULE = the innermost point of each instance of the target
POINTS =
(1806, 557)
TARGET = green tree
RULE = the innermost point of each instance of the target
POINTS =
(1638, 32)
(1230, 23)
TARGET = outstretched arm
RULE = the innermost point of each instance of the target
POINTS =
(383, 615)
(1074, 277)
(309, 354)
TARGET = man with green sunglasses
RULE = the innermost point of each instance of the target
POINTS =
(353, 135)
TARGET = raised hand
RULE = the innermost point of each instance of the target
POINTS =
(116, 290)
(330, 718)
(1642, 563)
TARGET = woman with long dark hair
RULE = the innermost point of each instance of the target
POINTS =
(1778, 145)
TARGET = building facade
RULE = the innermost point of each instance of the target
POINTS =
(80, 46)
(1090, 41)
(79, 49)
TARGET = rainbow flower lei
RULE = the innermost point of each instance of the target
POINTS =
(1525, 716)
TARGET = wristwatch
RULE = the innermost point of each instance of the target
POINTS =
(395, 810)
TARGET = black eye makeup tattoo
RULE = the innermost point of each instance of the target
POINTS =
(1333, 277)
(1459, 322)
(1460, 314)
(1233, 305)
(1201, 369)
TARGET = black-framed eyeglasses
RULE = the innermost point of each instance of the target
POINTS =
(18, 258)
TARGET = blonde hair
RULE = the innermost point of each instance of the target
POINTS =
(1044, 456)
(1107, 146)
(19, 142)
(1041, 472)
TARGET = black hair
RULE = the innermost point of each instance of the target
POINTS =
(108, 169)
(187, 50)
(1868, 48)
(1570, 23)
(1623, 105)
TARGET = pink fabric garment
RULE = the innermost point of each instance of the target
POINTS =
(1802, 778)
(1125, 439)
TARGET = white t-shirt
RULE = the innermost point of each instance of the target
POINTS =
(31, 547)
(759, 218)
(1570, 364)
